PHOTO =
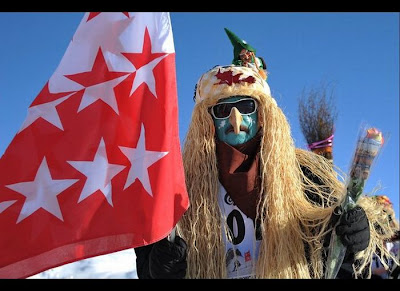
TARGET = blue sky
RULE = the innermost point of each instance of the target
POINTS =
(358, 53)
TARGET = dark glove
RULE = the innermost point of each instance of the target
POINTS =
(353, 230)
(167, 260)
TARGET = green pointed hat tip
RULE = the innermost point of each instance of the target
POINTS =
(238, 44)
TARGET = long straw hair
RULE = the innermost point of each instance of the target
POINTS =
(289, 220)
(383, 226)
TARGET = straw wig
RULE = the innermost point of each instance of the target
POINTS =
(383, 227)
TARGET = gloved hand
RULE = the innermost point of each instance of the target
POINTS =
(353, 230)
(167, 260)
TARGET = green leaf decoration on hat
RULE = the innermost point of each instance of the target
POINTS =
(238, 45)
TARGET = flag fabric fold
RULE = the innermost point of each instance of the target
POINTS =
(96, 166)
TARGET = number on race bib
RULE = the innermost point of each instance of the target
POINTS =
(236, 218)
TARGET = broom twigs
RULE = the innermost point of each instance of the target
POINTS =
(317, 117)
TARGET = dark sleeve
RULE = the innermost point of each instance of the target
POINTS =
(142, 261)
(317, 181)
(346, 269)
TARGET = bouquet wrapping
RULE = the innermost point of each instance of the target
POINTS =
(369, 145)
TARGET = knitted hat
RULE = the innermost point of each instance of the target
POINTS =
(226, 81)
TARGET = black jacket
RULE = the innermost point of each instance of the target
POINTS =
(165, 259)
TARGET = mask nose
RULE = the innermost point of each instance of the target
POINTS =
(236, 119)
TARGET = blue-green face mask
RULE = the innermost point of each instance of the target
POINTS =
(235, 119)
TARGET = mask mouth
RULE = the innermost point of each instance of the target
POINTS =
(242, 128)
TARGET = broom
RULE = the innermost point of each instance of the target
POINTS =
(317, 116)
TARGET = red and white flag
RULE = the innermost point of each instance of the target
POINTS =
(96, 166)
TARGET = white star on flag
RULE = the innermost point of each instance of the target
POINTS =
(101, 31)
(42, 192)
(107, 36)
(99, 173)
(146, 75)
(103, 91)
(47, 111)
(159, 29)
(5, 204)
(141, 160)
(104, 31)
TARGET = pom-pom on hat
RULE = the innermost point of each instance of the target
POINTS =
(226, 81)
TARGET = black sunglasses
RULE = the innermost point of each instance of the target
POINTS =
(223, 110)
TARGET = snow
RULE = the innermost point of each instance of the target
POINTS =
(118, 265)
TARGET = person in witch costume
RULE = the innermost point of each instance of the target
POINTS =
(259, 207)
